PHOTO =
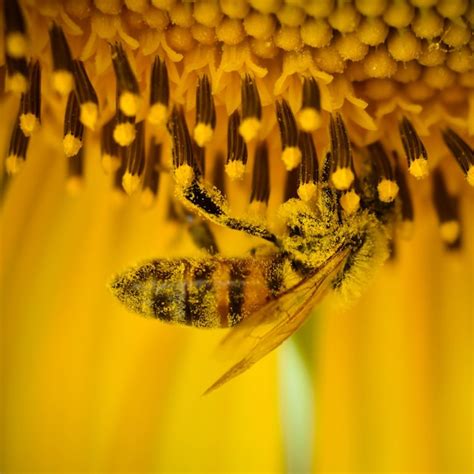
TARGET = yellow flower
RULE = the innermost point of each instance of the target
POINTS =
(92, 86)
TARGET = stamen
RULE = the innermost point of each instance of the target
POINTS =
(291, 185)
(462, 153)
(75, 166)
(89, 104)
(159, 93)
(30, 109)
(445, 205)
(350, 202)
(199, 160)
(127, 85)
(251, 109)
(124, 130)
(309, 117)
(63, 77)
(218, 178)
(135, 159)
(151, 177)
(342, 175)
(236, 149)
(414, 150)
(16, 41)
(291, 154)
(406, 207)
(183, 158)
(308, 171)
(17, 78)
(73, 128)
(16, 150)
(260, 178)
(387, 187)
(110, 152)
(205, 112)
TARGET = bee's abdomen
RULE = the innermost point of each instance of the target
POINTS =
(211, 293)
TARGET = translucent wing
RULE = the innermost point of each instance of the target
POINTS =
(275, 322)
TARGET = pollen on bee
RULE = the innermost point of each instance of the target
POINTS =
(63, 77)
(184, 175)
(415, 151)
(236, 149)
(309, 116)
(250, 125)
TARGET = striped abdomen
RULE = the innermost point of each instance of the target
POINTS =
(212, 292)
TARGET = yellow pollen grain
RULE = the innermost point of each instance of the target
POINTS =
(265, 49)
(288, 38)
(319, 9)
(105, 26)
(316, 32)
(207, 12)
(432, 55)
(266, 6)
(110, 163)
(309, 119)
(147, 198)
(350, 47)
(452, 8)
(387, 190)
(371, 7)
(259, 25)
(290, 15)
(13, 164)
(328, 59)
(16, 45)
(16, 83)
(180, 38)
(28, 123)
(124, 133)
(291, 157)
(249, 128)
(109, 7)
(470, 175)
(74, 185)
(230, 31)
(129, 103)
(345, 18)
(235, 170)
(63, 82)
(181, 14)
(438, 77)
(89, 114)
(407, 72)
(450, 231)
(457, 33)
(427, 23)
(71, 145)
(307, 191)
(342, 178)
(403, 45)
(419, 168)
(372, 31)
(157, 114)
(203, 34)
(350, 202)
(130, 182)
(202, 134)
(184, 176)
(399, 14)
(461, 60)
(378, 63)
(235, 8)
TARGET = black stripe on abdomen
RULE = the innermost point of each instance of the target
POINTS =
(200, 301)
(237, 277)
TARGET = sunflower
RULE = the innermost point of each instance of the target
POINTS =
(113, 107)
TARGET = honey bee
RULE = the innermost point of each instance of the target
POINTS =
(335, 235)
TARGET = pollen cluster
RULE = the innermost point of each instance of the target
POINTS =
(271, 80)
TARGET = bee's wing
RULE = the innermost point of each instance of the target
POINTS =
(275, 322)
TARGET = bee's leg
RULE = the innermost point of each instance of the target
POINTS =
(201, 234)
